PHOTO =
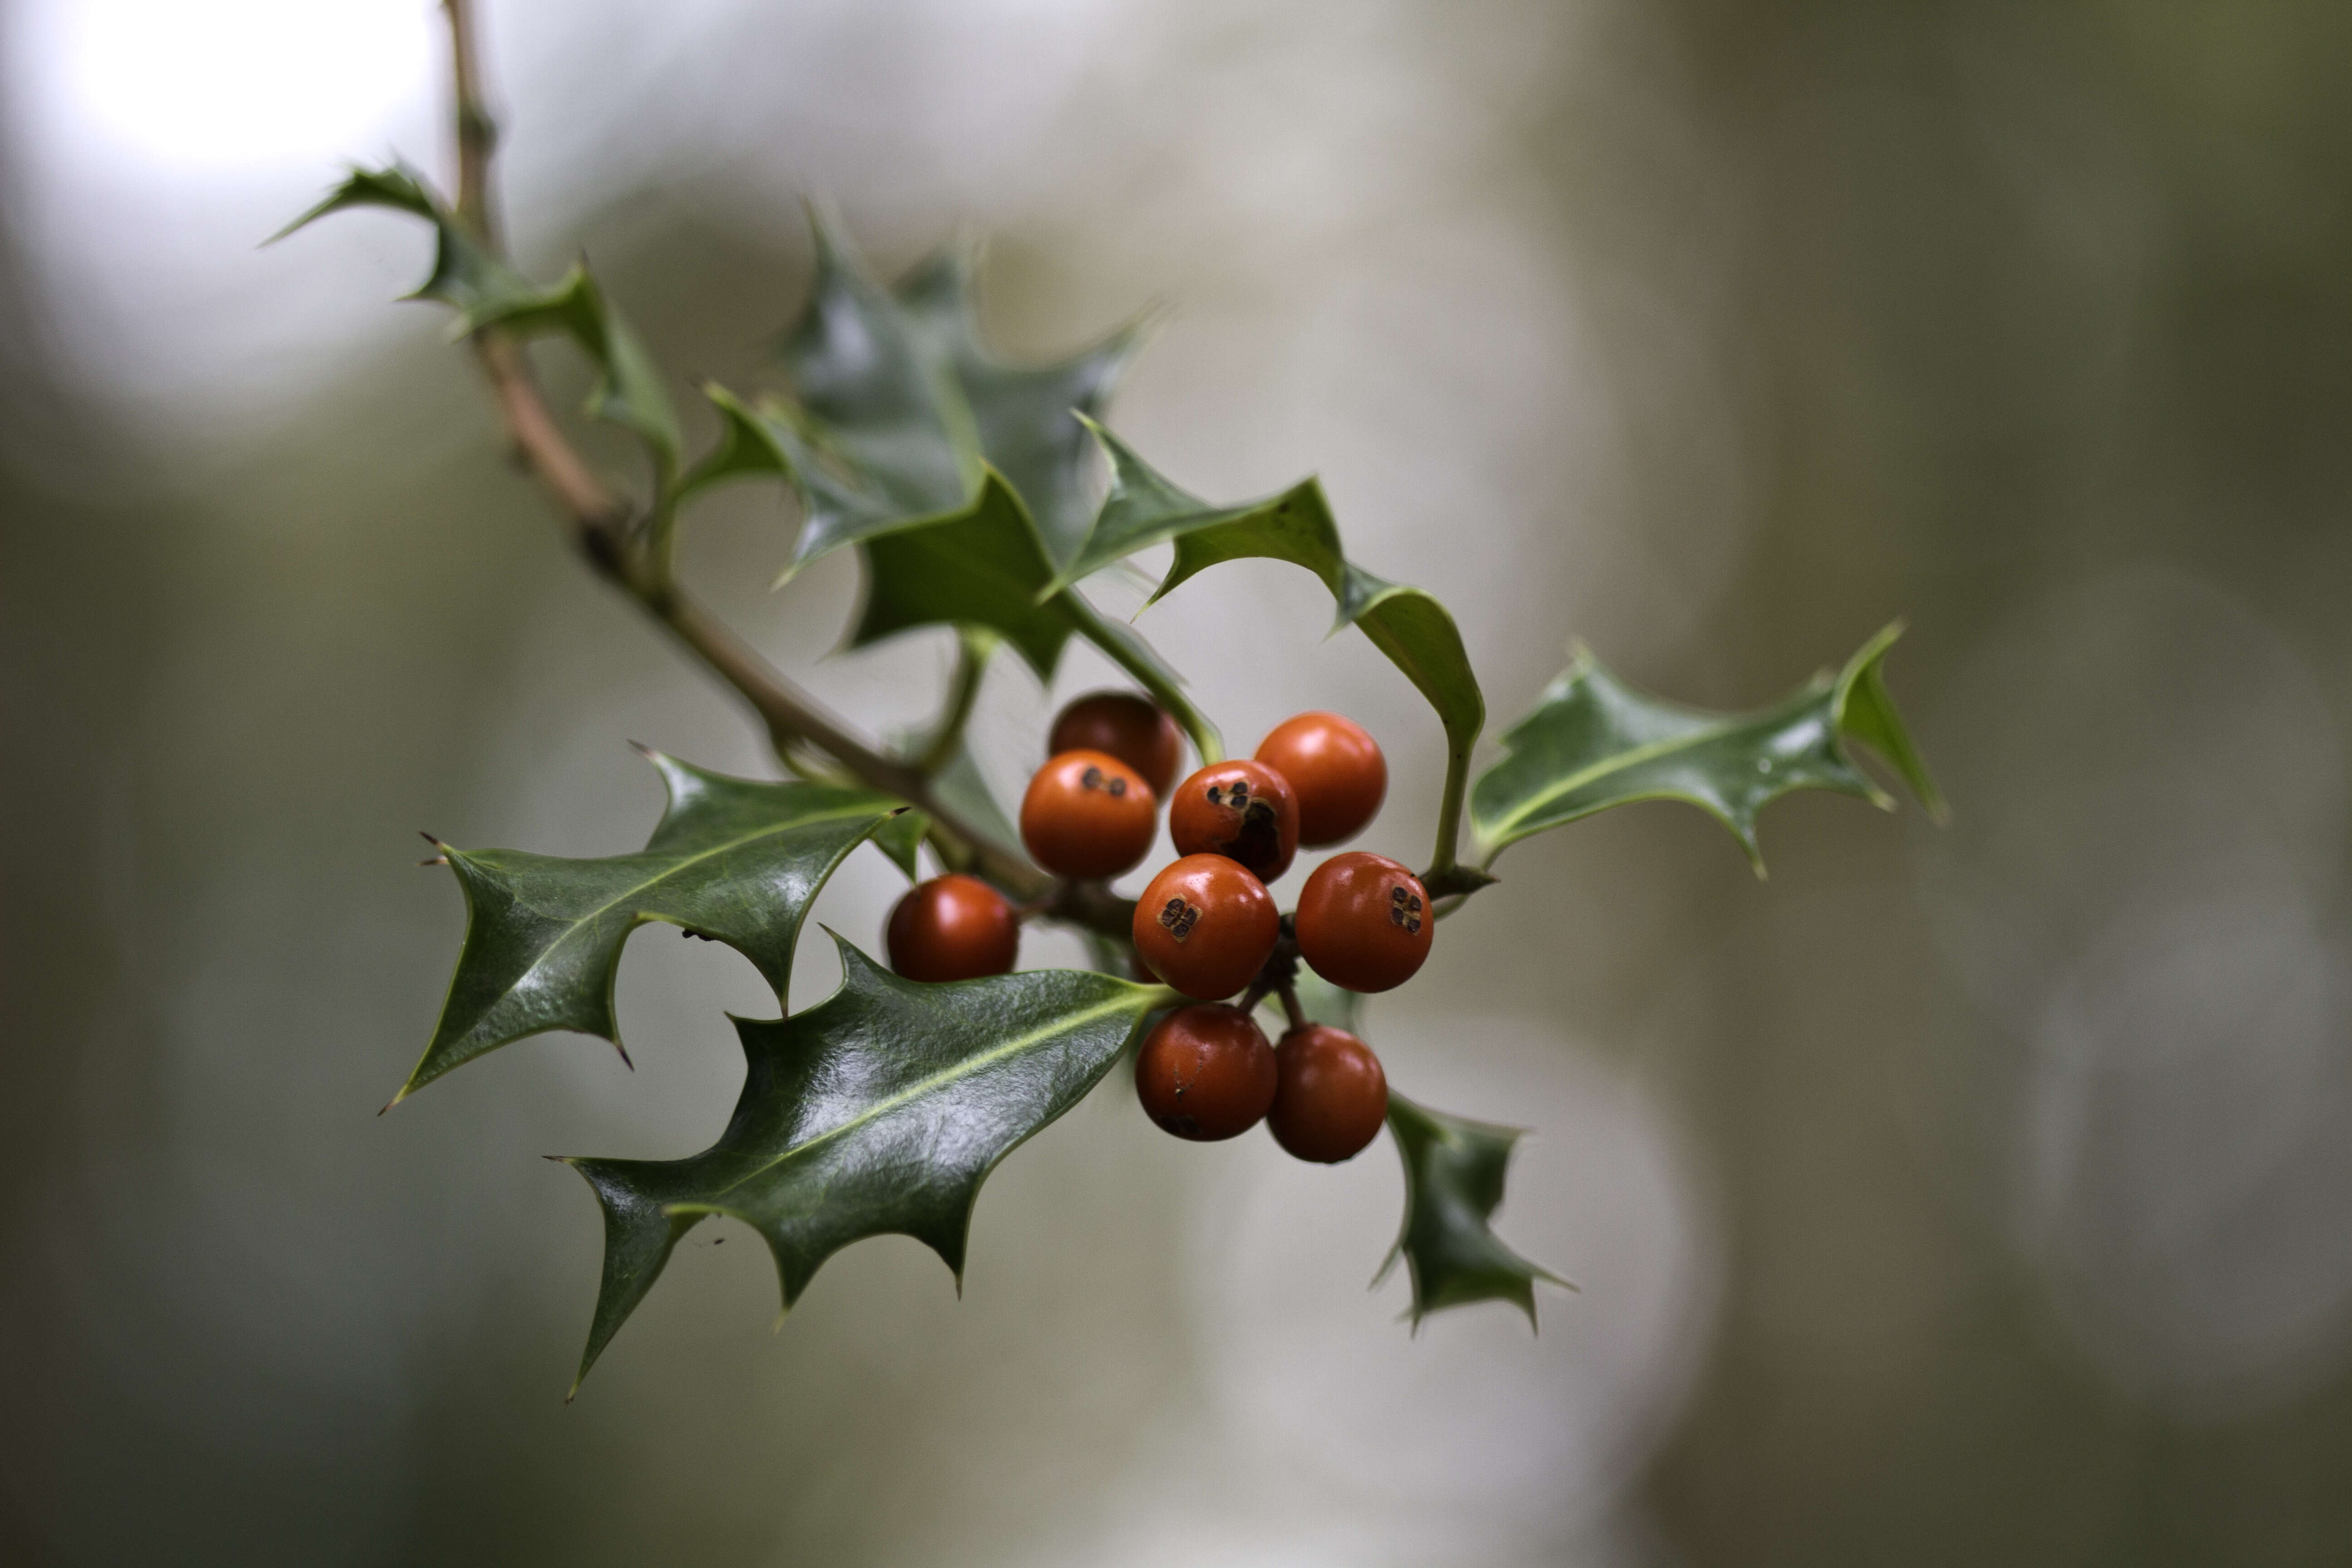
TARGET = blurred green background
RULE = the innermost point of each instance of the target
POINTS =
(1952, 1198)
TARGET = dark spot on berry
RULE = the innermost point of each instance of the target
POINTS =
(1090, 779)
(1397, 895)
(1178, 918)
(1396, 914)
(1118, 788)
(1215, 798)
(1412, 902)
(1239, 794)
(1413, 924)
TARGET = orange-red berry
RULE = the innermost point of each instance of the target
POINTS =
(1364, 922)
(954, 928)
(1336, 769)
(1131, 728)
(1331, 1095)
(1205, 1072)
(1086, 814)
(1240, 809)
(1206, 926)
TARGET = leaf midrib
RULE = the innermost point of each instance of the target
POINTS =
(964, 1069)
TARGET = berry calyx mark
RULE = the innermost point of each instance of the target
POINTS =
(1179, 917)
(1405, 909)
(1093, 778)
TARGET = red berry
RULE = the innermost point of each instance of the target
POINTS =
(1206, 1073)
(954, 928)
(1088, 814)
(1364, 922)
(1240, 809)
(1334, 767)
(1130, 728)
(1331, 1095)
(1206, 926)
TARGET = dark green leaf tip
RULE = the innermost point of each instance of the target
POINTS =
(397, 186)
(1454, 1170)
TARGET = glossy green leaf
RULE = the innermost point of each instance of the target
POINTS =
(901, 402)
(880, 390)
(1453, 1170)
(464, 274)
(629, 389)
(733, 860)
(981, 567)
(1410, 627)
(900, 838)
(1026, 415)
(1594, 742)
(838, 507)
(486, 291)
(879, 1111)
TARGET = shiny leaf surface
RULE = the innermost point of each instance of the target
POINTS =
(878, 1112)
(1026, 415)
(733, 860)
(878, 391)
(1453, 1170)
(1410, 627)
(1595, 741)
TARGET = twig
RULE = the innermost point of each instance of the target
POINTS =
(600, 522)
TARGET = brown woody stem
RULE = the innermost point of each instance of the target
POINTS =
(601, 524)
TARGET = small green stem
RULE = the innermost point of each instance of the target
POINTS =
(973, 648)
(1126, 651)
(661, 532)
(1443, 867)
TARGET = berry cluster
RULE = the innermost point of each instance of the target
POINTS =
(1206, 925)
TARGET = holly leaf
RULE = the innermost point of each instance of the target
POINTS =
(900, 838)
(1027, 416)
(878, 1112)
(1453, 1170)
(464, 276)
(892, 446)
(734, 860)
(486, 291)
(1409, 625)
(880, 390)
(1595, 741)
(629, 390)
(982, 566)
(900, 391)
